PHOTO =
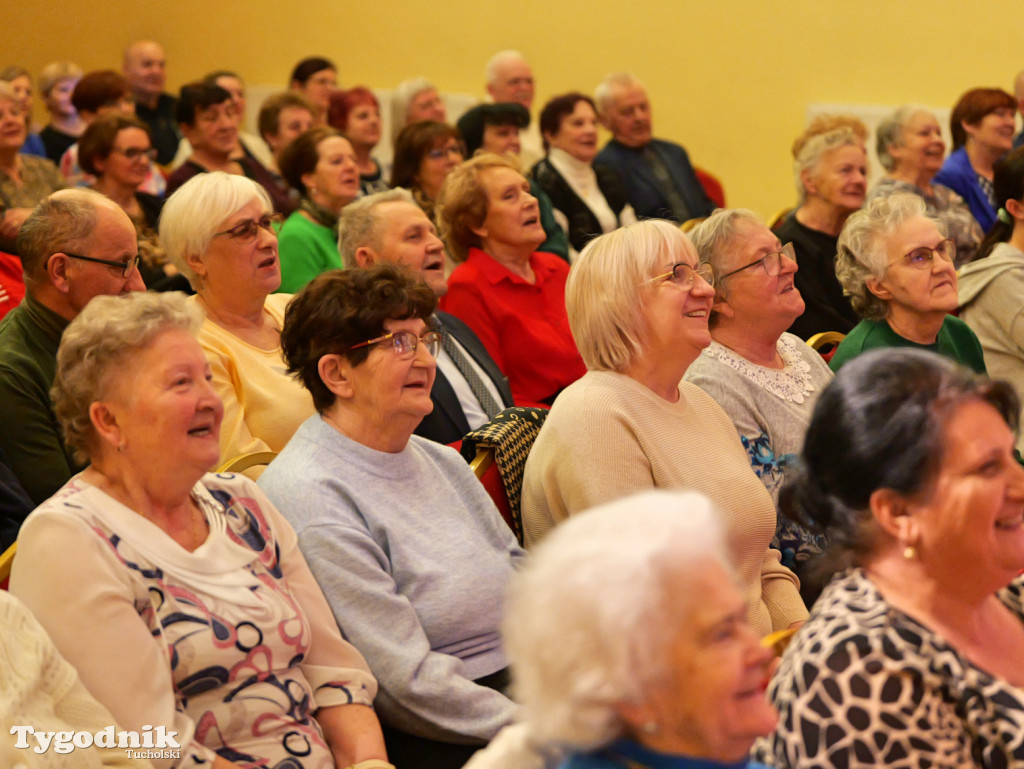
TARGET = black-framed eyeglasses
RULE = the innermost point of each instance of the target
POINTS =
(684, 275)
(126, 268)
(134, 153)
(923, 257)
(245, 231)
(405, 343)
(772, 262)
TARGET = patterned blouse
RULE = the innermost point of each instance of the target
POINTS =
(865, 685)
(232, 645)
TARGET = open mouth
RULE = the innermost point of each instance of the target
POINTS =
(1010, 524)
(697, 314)
(531, 221)
(203, 431)
(268, 262)
(434, 264)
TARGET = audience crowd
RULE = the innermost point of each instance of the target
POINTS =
(698, 483)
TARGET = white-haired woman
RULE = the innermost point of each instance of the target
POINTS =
(831, 178)
(911, 149)
(896, 265)
(200, 616)
(765, 379)
(218, 230)
(638, 302)
(663, 668)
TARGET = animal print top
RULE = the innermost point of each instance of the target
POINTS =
(865, 685)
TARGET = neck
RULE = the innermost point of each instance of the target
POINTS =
(115, 475)
(72, 124)
(9, 161)
(982, 158)
(758, 345)
(147, 99)
(1017, 237)
(380, 432)
(122, 194)
(516, 261)
(211, 159)
(238, 310)
(922, 328)
(822, 216)
(331, 203)
(660, 373)
(916, 176)
(363, 159)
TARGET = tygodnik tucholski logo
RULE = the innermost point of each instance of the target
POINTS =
(149, 743)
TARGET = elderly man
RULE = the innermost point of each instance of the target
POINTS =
(75, 245)
(510, 79)
(469, 388)
(660, 182)
(145, 67)
(765, 379)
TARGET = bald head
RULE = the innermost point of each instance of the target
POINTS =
(145, 68)
(509, 78)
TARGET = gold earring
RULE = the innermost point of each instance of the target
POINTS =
(910, 552)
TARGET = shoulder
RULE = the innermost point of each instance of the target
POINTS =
(669, 148)
(276, 305)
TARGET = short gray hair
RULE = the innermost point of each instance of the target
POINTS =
(715, 239)
(603, 296)
(862, 252)
(495, 62)
(56, 71)
(585, 624)
(890, 132)
(107, 334)
(193, 213)
(603, 92)
(358, 224)
(62, 221)
(402, 96)
(824, 134)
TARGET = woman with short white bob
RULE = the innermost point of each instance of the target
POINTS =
(663, 669)
(638, 302)
(218, 230)
(896, 265)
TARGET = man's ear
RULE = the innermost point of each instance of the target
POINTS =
(57, 269)
(366, 256)
(335, 371)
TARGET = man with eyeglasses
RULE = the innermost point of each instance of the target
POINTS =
(75, 245)
(469, 388)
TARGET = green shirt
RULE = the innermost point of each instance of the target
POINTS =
(306, 249)
(30, 436)
(955, 340)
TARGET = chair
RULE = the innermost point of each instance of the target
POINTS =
(826, 339)
(504, 443)
(6, 562)
(690, 224)
(243, 462)
(779, 217)
(712, 186)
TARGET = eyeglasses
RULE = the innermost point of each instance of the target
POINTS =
(405, 343)
(126, 268)
(246, 231)
(439, 153)
(684, 275)
(772, 262)
(923, 257)
(133, 153)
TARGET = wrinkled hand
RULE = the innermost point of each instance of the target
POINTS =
(11, 221)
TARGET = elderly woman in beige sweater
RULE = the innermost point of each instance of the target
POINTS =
(638, 302)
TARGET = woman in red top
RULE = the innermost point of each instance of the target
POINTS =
(511, 295)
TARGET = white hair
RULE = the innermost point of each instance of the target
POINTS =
(358, 224)
(603, 92)
(585, 625)
(501, 57)
(402, 97)
(191, 215)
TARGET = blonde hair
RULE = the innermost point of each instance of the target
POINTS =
(822, 135)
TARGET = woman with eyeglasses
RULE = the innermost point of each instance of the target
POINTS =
(765, 379)
(408, 547)
(638, 301)
(896, 265)
(117, 151)
(218, 230)
(425, 153)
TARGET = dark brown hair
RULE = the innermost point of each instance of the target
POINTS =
(301, 156)
(973, 106)
(558, 109)
(413, 144)
(99, 138)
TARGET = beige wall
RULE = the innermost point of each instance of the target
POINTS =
(730, 79)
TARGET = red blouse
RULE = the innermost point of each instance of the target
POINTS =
(523, 325)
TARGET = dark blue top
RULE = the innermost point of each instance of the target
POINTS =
(959, 175)
(627, 754)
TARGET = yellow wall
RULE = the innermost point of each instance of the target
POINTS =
(729, 79)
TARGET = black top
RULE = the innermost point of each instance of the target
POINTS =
(162, 126)
(56, 143)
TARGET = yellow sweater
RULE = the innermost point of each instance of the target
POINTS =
(609, 436)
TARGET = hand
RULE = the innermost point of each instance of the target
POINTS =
(11, 221)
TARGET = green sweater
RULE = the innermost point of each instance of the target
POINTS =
(306, 249)
(955, 341)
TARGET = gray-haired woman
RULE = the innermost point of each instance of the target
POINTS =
(201, 617)
(896, 265)
(911, 149)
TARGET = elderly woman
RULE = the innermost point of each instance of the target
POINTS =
(201, 617)
(409, 548)
(356, 113)
(589, 199)
(57, 82)
(218, 230)
(896, 265)
(116, 150)
(425, 153)
(991, 287)
(20, 82)
(316, 78)
(982, 124)
(415, 101)
(911, 149)
(913, 655)
(638, 301)
(663, 669)
(831, 178)
(510, 294)
(765, 379)
(321, 165)
(24, 179)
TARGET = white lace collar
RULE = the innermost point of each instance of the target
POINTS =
(791, 383)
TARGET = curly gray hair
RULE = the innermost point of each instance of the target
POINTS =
(890, 132)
